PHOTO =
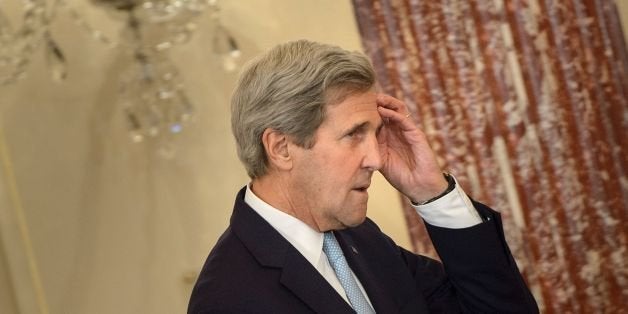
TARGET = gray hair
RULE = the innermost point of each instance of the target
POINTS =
(287, 90)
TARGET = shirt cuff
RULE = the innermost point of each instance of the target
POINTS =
(454, 210)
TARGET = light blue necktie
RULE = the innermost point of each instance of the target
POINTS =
(343, 272)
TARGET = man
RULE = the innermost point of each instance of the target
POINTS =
(311, 131)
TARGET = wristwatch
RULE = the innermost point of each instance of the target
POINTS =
(451, 185)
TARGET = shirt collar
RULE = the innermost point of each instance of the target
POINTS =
(306, 240)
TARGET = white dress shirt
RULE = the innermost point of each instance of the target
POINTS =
(306, 240)
(453, 210)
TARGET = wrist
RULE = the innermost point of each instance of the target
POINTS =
(450, 186)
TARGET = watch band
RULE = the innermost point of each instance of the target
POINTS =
(451, 185)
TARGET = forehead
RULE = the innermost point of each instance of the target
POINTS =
(358, 104)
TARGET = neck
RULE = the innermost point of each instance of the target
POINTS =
(277, 192)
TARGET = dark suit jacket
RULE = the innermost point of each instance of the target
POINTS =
(253, 269)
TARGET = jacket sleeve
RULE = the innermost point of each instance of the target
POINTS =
(480, 274)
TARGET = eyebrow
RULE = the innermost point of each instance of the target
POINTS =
(355, 128)
(363, 125)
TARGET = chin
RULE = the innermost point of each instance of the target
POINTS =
(356, 221)
(360, 221)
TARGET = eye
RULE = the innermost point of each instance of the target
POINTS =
(355, 133)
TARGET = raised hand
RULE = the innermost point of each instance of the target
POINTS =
(408, 161)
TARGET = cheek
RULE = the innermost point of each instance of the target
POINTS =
(334, 173)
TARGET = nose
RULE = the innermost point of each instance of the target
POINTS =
(372, 158)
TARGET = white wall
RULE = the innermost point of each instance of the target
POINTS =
(113, 227)
(109, 226)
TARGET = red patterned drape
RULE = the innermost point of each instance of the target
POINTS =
(525, 100)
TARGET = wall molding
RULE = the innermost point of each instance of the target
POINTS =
(25, 279)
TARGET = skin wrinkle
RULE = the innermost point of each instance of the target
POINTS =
(337, 169)
(325, 185)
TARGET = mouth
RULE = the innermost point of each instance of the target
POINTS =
(362, 188)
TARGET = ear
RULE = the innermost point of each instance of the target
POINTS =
(276, 146)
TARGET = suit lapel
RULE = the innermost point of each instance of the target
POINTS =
(380, 289)
(300, 277)
(271, 250)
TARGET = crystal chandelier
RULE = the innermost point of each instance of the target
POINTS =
(17, 45)
(151, 91)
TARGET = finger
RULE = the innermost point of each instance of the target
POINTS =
(392, 103)
(404, 120)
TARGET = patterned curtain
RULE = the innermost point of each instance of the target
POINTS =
(525, 101)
